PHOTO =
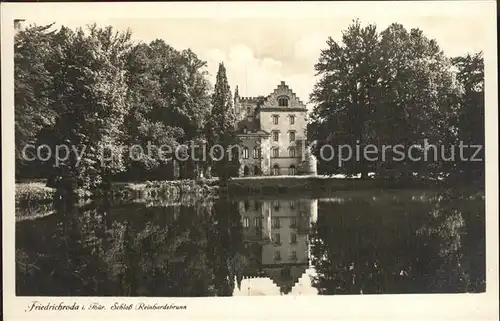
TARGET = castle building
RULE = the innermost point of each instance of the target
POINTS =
(272, 130)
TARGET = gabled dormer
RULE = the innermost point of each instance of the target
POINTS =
(283, 98)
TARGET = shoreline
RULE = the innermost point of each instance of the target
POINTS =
(35, 200)
(35, 191)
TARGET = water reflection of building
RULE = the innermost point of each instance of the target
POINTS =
(276, 240)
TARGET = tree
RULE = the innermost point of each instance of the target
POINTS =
(89, 99)
(221, 124)
(388, 89)
(344, 95)
(33, 53)
(416, 99)
(170, 101)
(470, 115)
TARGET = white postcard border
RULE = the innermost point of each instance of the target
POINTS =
(374, 307)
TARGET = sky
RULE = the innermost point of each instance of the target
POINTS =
(260, 52)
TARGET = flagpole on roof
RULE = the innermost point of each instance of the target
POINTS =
(246, 82)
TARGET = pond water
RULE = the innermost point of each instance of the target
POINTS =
(347, 243)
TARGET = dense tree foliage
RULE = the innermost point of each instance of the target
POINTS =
(170, 100)
(89, 100)
(220, 127)
(96, 91)
(470, 116)
(394, 88)
(33, 52)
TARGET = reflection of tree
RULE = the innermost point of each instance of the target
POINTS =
(455, 230)
(400, 246)
(130, 250)
(225, 245)
(66, 251)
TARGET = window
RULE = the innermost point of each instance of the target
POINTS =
(246, 171)
(258, 222)
(294, 255)
(292, 205)
(246, 222)
(275, 119)
(276, 152)
(276, 136)
(257, 205)
(293, 238)
(291, 152)
(245, 152)
(276, 169)
(292, 119)
(293, 223)
(246, 204)
(276, 205)
(276, 222)
(256, 170)
(277, 255)
(291, 170)
(283, 102)
(292, 136)
(256, 152)
(248, 109)
(277, 238)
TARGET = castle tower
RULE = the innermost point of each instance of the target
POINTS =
(273, 128)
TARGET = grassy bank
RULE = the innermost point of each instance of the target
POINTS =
(35, 200)
(311, 184)
(164, 189)
(36, 191)
(33, 192)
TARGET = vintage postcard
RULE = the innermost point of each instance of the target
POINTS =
(250, 160)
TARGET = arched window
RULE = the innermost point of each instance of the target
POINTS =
(291, 170)
(245, 152)
(276, 170)
(246, 171)
(256, 170)
(248, 109)
(256, 152)
(283, 102)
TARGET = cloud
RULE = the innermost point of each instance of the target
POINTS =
(256, 76)
(259, 53)
(308, 47)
